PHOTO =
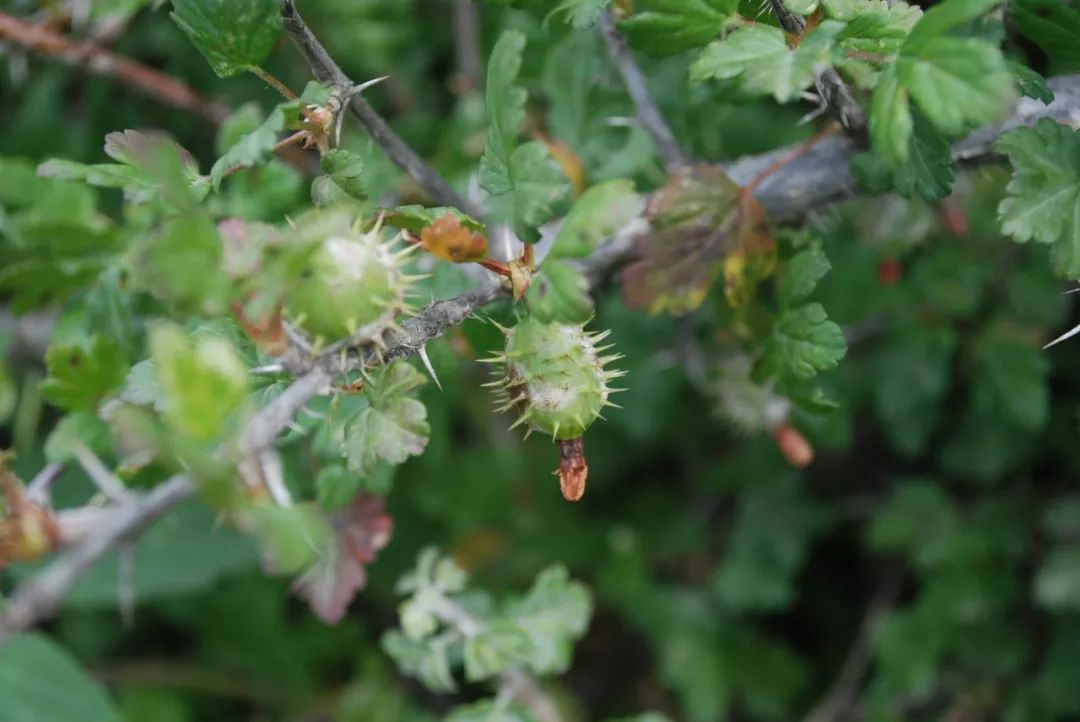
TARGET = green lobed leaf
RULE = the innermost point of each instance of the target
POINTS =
(582, 14)
(1030, 82)
(489, 710)
(393, 427)
(252, 149)
(345, 169)
(203, 381)
(182, 264)
(803, 342)
(539, 184)
(81, 374)
(927, 171)
(802, 275)
(759, 56)
(891, 125)
(666, 27)
(427, 661)
(553, 615)
(499, 646)
(944, 17)
(233, 35)
(959, 83)
(1042, 200)
(33, 669)
(505, 104)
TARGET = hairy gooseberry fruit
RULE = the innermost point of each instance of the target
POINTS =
(352, 280)
(554, 378)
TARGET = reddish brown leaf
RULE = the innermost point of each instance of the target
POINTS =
(360, 531)
(448, 239)
(700, 225)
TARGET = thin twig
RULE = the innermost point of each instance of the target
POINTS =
(39, 490)
(105, 481)
(648, 114)
(832, 89)
(41, 595)
(467, 45)
(844, 690)
(100, 61)
(326, 70)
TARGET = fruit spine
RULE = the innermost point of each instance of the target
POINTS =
(353, 279)
(554, 377)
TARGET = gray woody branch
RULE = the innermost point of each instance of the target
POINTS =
(814, 180)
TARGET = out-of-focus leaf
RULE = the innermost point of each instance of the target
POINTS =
(1055, 26)
(202, 382)
(252, 149)
(428, 662)
(759, 57)
(554, 614)
(182, 264)
(1011, 379)
(81, 427)
(33, 668)
(498, 647)
(582, 14)
(665, 27)
(233, 35)
(360, 531)
(345, 169)
(559, 293)
(488, 711)
(912, 372)
(700, 226)
(600, 211)
(292, 538)
(82, 374)
(1057, 583)
(919, 521)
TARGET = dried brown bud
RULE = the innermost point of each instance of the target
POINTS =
(793, 445)
(573, 470)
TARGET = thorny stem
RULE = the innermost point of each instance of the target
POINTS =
(325, 69)
(100, 61)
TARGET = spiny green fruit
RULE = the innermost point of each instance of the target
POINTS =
(352, 279)
(555, 379)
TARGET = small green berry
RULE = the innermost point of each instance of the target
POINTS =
(554, 377)
(353, 279)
